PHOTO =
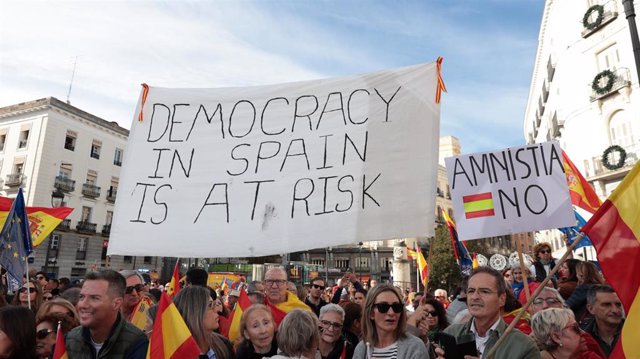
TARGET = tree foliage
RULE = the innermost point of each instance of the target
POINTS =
(444, 271)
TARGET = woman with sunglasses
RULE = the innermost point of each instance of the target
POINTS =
(332, 344)
(430, 318)
(544, 261)
(29, 295)
(199, 313)
(384, 332)
(59, 306)
(258, 330)
(46, 329)
(17, 333)
(559, 336)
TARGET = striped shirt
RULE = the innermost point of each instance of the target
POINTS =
(390, 352)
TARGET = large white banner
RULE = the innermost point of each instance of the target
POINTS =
(518, 189)
(238, 172)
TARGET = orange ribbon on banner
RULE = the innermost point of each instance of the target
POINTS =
(440, 87)
(145, 92)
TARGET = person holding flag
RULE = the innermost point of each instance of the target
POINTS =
(278, 299)
(135, 304)
(49, 328)
(170, 337)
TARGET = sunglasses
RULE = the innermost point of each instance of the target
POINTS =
(137, 287)
(25, 289)
(43, 333)
(383, 307)
(544, 251)
(575, 327)
(431, 314)
(316, 286)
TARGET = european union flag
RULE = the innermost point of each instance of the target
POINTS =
(15, 241)
(572, 232)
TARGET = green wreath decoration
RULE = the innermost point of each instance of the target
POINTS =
(592, 25)
(621, 160)
(601, 90)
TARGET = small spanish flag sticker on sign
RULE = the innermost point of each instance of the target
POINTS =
(478, 205)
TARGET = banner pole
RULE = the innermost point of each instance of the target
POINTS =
(543, 284)
(525, 279)
(26, 262)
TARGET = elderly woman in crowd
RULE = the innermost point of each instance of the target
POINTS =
(384, 332)
(199, 313)
(559, 336)
(298, 336)
(59, 306)
(258, 331)
(17, 333)
(46, 329)
(29, 289)
(331, 343)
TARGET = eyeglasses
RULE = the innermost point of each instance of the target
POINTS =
(316, 286)
(543, 251)
(137, 287)
(575, 327)
(329, 324)
(42, 333)
(383, 307)
(29, 289)
(431, 314)
(550, 301)
(277, 282)
(483, 292)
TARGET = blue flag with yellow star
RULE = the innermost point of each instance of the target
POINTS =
(15, 241)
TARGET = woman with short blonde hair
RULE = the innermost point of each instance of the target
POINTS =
(257, 328)
(559, 336)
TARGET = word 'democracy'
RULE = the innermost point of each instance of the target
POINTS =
(273, 169)
(510, 191)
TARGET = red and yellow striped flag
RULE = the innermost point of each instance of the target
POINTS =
(411, 254)
(60, 351)
(174, 286)
(423, 266)
(42, 220)
(233, 331)
(139, 315)
(478, 205)
(581, 193)
(474, 261)
(280, 310)
(171, 339)
(615, 232)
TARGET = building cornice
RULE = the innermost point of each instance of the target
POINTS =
(54, 103)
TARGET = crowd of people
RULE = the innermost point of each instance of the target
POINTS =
(111, 315)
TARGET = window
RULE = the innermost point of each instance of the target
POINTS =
(95, 149)
(92, 177)
(55, 241)
(620, 129)
(318, 262)
(127, 259)
(3, 139)
(363, 262)
(608, 58)
(386, 263)
(70, 140)
(65, 170)
(86, 214)
(81, 253)
(342, 263)
(109, 218)
(23, 138)
(147, 260)
(18, 167)
(117, 157)
(105, 246)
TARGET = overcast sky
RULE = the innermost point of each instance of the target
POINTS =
(488, 48)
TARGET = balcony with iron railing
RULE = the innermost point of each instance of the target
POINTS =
(111, 195)
(609, 13)
(65, 225)
(14, 179)
(621, 79)
(106, 230)
(86, 227)
(597, 170)
(65, 184)
(90, 190)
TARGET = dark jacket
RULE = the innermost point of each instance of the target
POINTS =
(541, 274)
(578, 302)
(315, 308)
(246, 351)
(591, 328)
(125, 341)
(336, 352)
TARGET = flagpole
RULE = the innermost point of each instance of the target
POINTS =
(542, 286)
(26, 261)
(525, 279)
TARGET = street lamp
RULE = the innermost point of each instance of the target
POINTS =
(57, 198)
(633, 29)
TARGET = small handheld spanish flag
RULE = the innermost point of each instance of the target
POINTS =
(61, 349)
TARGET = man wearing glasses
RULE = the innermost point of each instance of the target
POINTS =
(277, 298)
(103, 332)
(486, 296)
(314, 299)
(135, 304)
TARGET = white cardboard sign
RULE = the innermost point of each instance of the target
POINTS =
(518, 189)
(239, 172)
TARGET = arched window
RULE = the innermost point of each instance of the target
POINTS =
(620, 129)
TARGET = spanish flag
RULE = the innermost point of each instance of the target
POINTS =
(171, 339)
(233, 330)
(174, 286)
(42, 220)
(581, 193)
(459, 249)
(478, 205)
(615, 232)
(139, 315)
(423, 267)
(474, 261)
(411, 254)
(280, 310)
(60, 351)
